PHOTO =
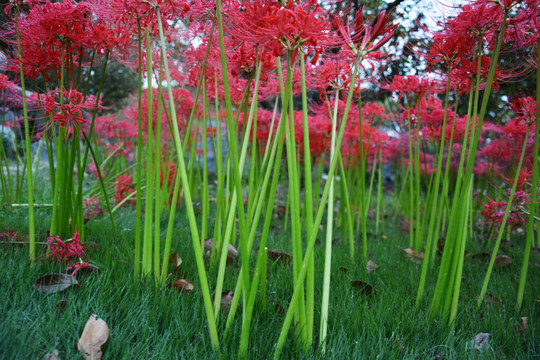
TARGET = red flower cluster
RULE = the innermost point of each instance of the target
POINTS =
(123, 187)
(64, 251)
(67, 107)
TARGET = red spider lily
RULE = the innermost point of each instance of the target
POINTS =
(277, 27)
(360, 37)
(524, 177)
(412, 84)
(526, 108)
(75, 268)
(10, 235)
(67, 107)
(123, 187)
(494, 211)
(92, 209)
(64, 251)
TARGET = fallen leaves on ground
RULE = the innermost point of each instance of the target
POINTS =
(364, 287)
(521, 328)
(53, 355)
(502, 261)
(480, 342)
(370, 266)
(175, 260)
(415, 256)
(52, 283)
(181, 284)
(95, 334)
(490, 299)
(276, 255)
(230, 252)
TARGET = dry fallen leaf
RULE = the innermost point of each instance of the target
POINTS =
(175, 260)
(480, 342)
(95, 334)
(415, 256)
(282, 257)
(521, 328)
(502, 261)
(226, 300)
(52, 283)
(53, 355)
(208, 247)
(370, 266)
(481, 256)
(491, 299)
(181, 284)
(364, 287)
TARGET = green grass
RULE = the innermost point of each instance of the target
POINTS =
(151, 323)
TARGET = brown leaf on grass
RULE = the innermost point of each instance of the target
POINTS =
(52, 283)
(208, 247)
(480, 342)
(364, 287)
(417, 257)
(227, 299)
(370, 266)
(481, 256)
(502, 261)
(490, 299)
(521, 328)
(282, 257)
(175, 260)
(181, 285)
(95, 334)
(53, 355)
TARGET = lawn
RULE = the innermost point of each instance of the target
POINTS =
(149, 322)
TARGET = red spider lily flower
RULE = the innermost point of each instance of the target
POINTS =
(280, 28)
(64, 251)
(67, 107)
(412, 84)
(494, 211)
(75, 268)
(526, 108)
(10, 235)
(524, 177)
(360, 37)
(92, 208)
(123, 187)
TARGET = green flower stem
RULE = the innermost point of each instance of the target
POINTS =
(189, 205)
(345, 198)
(28, 158)
(329, 228)
(308, 205)
(446, 290)
(317, 221)
(237, 175)
(505, 218)
(433, 214)
(157, 174)
(139, 159)
(534, 187)
(379, 211)
(149, 202)
(231, 212)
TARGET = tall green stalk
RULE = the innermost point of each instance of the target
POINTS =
(28, 157)
(534, 188)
